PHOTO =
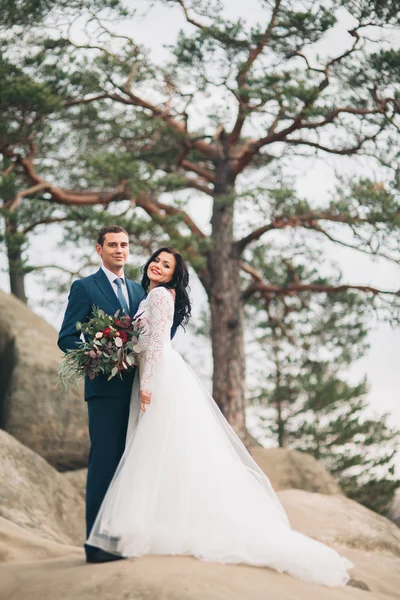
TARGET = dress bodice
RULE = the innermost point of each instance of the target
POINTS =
(156, 313)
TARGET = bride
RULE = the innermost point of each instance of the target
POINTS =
(186, 484)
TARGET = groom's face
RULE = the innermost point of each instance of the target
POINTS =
(114, 251)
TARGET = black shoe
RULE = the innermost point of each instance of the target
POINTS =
(101, 556)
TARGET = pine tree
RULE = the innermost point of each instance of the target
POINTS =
(306, 404)
(274, 100)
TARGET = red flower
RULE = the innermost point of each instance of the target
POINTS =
(106, 331)
(123, 335)
(124, 322)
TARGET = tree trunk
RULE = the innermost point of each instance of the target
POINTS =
(226, 306)
(278, 396)
(281, 426)
(14, 241)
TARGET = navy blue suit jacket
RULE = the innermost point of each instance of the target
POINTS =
(97, 290)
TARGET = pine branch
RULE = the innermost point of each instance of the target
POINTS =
(355, 247)
(8, 170)
(57, 194)
(188, 18)
(199, 185)
(351, 110)
(269, 290)
(252, 147)
(241, 78)
(95, 47)
(44, 221)
(165, 115)
(88, 100)
(346, 151)
(327, 70)
(308, 220)
(256, 275)
(172, 210)
(61, 196)
(129, 98)
(11, 205)
(60, 268)
(203, 172)
(156, 210)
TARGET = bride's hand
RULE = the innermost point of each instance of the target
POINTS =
(145, 398)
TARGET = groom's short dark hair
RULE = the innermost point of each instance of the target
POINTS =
(109, 229)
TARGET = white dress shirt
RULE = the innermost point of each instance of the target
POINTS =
(111, 276)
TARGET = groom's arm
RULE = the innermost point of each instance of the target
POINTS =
(78, 309)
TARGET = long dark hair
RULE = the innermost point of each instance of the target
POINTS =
(179, 283)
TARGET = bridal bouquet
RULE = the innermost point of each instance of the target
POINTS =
(108, 349)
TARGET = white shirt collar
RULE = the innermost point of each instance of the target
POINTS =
(112, 276)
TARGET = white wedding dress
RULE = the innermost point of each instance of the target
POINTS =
(187, 485)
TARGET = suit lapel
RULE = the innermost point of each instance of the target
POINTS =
(133, 298)
(105, 287)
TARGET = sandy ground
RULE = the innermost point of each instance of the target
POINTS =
(36, 569)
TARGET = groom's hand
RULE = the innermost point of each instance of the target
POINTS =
(145, 398)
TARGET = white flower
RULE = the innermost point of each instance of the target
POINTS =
(118, 342)
(99, 335)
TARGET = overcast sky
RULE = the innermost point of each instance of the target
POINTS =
(159, 28)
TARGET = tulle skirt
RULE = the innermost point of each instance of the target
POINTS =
(187, 486)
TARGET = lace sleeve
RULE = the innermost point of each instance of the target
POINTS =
(160, 315)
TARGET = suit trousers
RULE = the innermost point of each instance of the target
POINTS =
(108, 422)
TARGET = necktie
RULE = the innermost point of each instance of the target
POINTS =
(118, 282)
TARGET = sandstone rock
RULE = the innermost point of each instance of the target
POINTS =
(44, 417)
(36, 497)
(78, 480)
(28, 574)
(38, 502)
(158, 578)
(20, 545)
(337, 520)
(289, 469)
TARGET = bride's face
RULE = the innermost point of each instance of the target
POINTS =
(161, 269)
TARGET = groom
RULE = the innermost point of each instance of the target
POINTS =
(107, 401)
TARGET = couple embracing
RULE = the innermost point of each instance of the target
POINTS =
(167, 474)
